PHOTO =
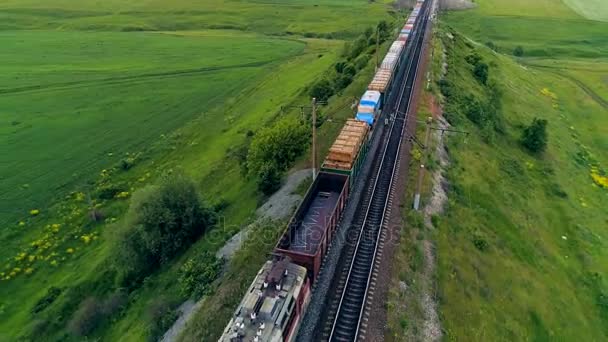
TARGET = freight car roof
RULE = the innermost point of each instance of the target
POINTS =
(267, 305)
(307, 236)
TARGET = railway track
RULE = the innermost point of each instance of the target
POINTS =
(353, 284)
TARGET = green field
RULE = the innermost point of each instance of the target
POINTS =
(522, 248)
(164, 86)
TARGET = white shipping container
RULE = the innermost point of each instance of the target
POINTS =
(389, 61)
(397, 46)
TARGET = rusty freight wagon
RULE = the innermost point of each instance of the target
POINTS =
(310, 230)
(347, 154)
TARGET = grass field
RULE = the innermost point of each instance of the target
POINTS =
(67, 118)
(522, 247)
(83, 88)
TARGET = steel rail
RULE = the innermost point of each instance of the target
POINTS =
(380, 187)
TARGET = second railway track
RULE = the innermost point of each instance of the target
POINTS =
(354, 279)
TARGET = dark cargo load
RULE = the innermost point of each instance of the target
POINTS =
(310, 230)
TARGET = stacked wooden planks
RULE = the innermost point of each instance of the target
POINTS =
(343, 152)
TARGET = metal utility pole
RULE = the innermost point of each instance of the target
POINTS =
(314, 138)
(377, 47)
(427, 137)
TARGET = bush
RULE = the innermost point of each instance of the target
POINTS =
(108, 192)
(48, 299)
(481, 72)
(115, 303)
(86, 318)
(342, 81)
(161, 222)
(534, 137)
(361, 62)
(322, 90)
(196, 274)
(518, 51)
(269, 179)
(473, 59)
(160, 314)
(445, 87)
(492, 46)
(274, 149)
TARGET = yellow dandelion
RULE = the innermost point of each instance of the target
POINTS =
(34, 212)
(122, 194)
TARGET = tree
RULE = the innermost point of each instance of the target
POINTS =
(274, 149)
(161, 222)
(518, 51)
(481, 72)
(534, 137)
(322, 90)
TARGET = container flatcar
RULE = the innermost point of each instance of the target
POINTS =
(370, 106)
(311, 228)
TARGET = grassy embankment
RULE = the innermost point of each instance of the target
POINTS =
(78, 102)
(522, 251)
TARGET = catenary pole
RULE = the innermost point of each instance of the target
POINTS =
(314, 138)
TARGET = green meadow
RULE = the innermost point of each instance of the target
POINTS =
(522, 252)
(99, 98)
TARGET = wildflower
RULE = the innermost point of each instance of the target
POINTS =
(79, 196)
(86, 238)
(122, 194)
(34, 212)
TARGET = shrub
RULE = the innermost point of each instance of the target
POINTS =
(480, 243)
(473, 59)
(161, 222)
(361, 61)
(86, 318)
(108, 192)
(534, 136)
(342, 81)
(481, 72)
(322, 90)
(196, 274)
(274, 149)
(269, 179)
(115, 303)
(518, 51)
(491, 45)
(160, 314)
(48, 299)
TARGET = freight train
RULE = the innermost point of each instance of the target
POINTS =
(278, 297)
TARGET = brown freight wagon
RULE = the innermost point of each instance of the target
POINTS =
(311, 228)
